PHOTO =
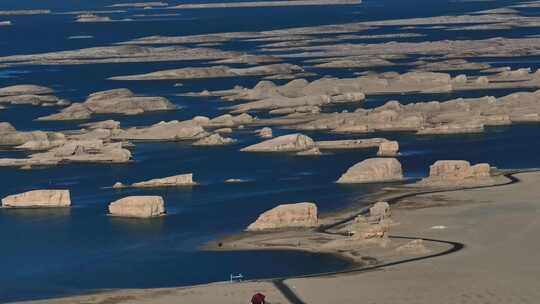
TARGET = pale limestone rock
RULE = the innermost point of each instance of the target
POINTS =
(169, 131)
(214, 140)
(90, 151)
(287, 216)
(117, 101)
(373, 170)
(388, 148)
(38, 198)
(482, 80)
(457, 172)
(364, 231)
(171, 181)
(381, 210)
(224, 131)
(25, 89)
(286, 143)
(118, 185)
(106, 124)
(350, 144)
(138, 206)
(311, 152)
(265, 132)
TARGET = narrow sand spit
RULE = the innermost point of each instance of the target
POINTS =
(498, 226)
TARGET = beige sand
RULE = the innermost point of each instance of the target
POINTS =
(499, 227)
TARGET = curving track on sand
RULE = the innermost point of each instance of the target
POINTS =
(293, 298)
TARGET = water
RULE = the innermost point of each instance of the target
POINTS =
(48, 253)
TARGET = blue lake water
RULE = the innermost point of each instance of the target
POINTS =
(48, 253)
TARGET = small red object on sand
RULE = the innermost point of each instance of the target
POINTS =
(258, 298)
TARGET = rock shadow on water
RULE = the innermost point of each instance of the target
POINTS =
(35, 213)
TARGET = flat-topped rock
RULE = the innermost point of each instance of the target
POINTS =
(287, 216)
(92, 18)
(373, 170)
(38, 199)
(388, 148)
(138, 207)
(285, 143)
(117, 101)
(457, 172)
(166, 131)
(25, 89)
(214, 72)
(171, 181)
(351, 144)
(73, 151)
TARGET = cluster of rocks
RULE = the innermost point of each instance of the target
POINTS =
(215, 72)
(30, 94)
(171, 181)
(117, 101)
(119, 54)
(456, 116)
(373, 170)
(374, 226)
(31, 140)
(132, 206)
(73, 151)
(214, 140)
(457, 172)
(298, 215)
(285, 143)
(197, 128)
(305, 145)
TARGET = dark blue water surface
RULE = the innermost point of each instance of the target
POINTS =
(48, 253)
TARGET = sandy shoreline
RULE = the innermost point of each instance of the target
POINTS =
(496, 225)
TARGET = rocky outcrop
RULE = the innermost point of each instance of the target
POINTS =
(265, 133)
(118, 101)
(214, 140)
(373, 170)
(457, 172)
(30, 94)
(25, 89)
(364, 231)
(299, 215)
(286, 143)
(388, 148)
(105, 125)
(38, 199)
(33, 140)
(380, 211)
(215, 72)
(92, 18)
(171, 181)
(166, 131)
(351, 144)
(138, 207)
(75, 151)
(228, 120)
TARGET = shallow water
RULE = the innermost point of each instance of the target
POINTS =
(47, 253)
